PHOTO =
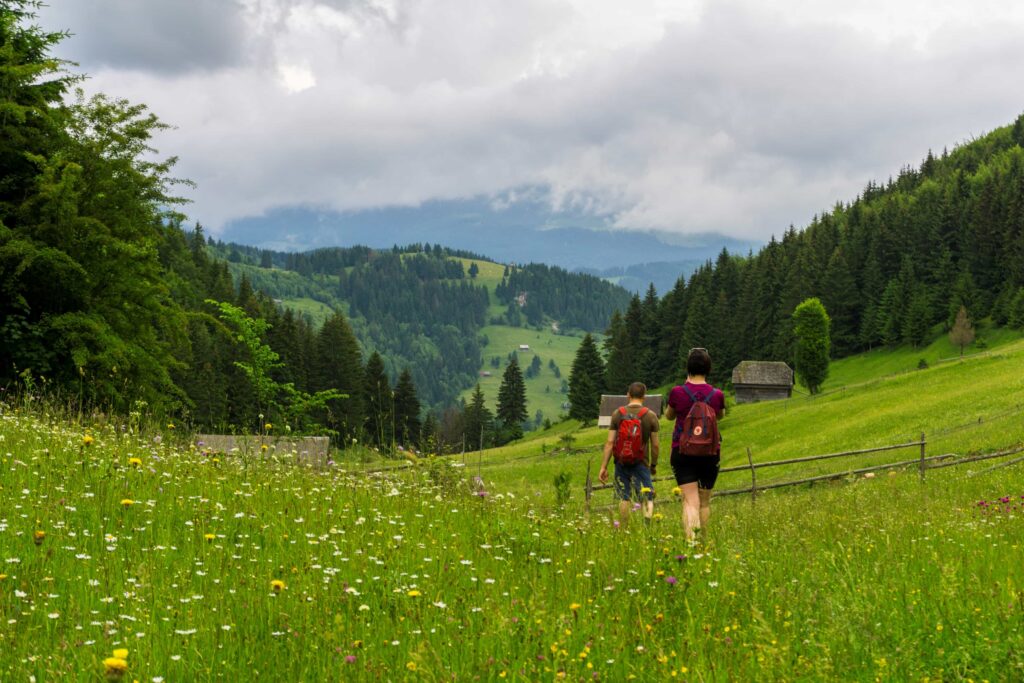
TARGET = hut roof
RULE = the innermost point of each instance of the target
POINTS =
(762, 372)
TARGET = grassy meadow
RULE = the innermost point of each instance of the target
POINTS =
(133, 549)
(204, 567)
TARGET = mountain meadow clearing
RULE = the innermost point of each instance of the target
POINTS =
(193, 566)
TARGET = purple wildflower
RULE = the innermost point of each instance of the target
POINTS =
(671, 580)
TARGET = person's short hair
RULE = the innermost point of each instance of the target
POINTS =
(698, 362)
(637, 390)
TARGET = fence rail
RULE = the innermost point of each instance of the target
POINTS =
(924, 462)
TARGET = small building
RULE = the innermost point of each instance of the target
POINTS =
(611, 402)
(485, 373)
(524, 347)
(759, 380)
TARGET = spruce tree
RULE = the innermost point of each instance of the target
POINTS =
(585, 381)
(338, 364)
(811, 330)
(407, 411)
(377, 404)
(915, 322)
(512, 401)
(478, 422)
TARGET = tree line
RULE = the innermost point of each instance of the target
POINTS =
(894, 266)
(536, 292)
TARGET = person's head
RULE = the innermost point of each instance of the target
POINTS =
(698, 363)
(636, 390)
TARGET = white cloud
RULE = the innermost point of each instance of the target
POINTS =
(685, 116)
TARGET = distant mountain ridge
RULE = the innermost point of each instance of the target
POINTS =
(521, 232)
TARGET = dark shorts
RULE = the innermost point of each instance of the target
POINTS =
(702, 469)
(632, 479)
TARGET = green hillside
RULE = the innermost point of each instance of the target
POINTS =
(876, 408)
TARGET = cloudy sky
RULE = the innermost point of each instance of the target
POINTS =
(686, 116)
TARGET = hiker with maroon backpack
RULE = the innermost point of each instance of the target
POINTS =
(633, 440)
(696, 407)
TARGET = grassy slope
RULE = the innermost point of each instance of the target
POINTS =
(543, 391)
(870, 411)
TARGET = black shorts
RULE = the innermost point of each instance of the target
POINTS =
(702, 469)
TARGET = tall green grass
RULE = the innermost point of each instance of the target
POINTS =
(424, 576)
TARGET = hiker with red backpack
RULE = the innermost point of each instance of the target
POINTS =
(633, 440)
(696, 407)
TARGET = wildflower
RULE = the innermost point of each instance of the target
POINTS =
(127, 502)
(268, 426)
(170, 425)
(209, 537)
(413, 593)
(575, 606)
(3, 576)
(121, 653)
(671, 580)
(645, 489)
(114, 668)
(351, 659)
(411, 666)
(677, 491)
(38, 537)
(87, 440)
(135, 462)
(277, 585)
(264, 448)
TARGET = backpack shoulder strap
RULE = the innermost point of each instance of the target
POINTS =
(689, 392)
(622, 411)
(711, 395)
(643, 411)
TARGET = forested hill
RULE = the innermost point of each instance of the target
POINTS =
(422, 306)
(892, 267)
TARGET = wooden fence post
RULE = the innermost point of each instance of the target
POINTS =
(921, 465)
(753, 477)
(590, 486)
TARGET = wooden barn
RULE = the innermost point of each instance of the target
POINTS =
(759, 380)
(611, 403)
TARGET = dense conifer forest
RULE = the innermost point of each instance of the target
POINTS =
(892, 267)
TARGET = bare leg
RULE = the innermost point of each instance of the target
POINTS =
(648, 509)
(691, 509)
(705, 507)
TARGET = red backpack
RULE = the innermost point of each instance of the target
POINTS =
(629, 440)
(700, 427)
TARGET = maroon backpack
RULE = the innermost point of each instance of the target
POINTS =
(629, 440)
(700, 426)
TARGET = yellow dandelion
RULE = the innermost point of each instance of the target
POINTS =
(277, 585)
(209, 537)
(411, 666)
(127, 502)
(135, 462)
(677, 491)
(38, 537)
(268, 426)
(645, 489)
(3, 576)
(413, 593)
(114, 668)
(170, 425)
(121, 653)
(87, 440)
(575, 606)
(264, 448)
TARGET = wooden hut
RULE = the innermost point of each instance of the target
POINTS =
(610, 403)
(759, 380)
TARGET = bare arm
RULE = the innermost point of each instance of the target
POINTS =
(670, 413)
(608, 445)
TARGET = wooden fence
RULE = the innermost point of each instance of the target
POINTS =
(923, 462)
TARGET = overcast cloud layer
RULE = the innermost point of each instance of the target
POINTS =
(738, 117)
